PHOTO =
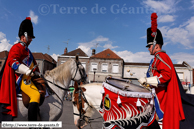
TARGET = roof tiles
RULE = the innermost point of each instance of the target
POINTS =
(78, 52)
(106, 54)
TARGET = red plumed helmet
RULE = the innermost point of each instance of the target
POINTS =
(154, 24)
(154, 34)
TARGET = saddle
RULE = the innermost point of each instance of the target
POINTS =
(41, 86)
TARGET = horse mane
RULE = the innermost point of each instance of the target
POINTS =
(61, 72)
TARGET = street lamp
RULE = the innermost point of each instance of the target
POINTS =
(94, 69)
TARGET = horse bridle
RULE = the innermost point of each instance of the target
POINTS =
(83, 77)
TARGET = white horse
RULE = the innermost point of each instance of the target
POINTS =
(52, 107)
(91, 100)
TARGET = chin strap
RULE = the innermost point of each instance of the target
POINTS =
(26, 35)
(154, 43)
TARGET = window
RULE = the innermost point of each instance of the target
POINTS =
(84, 65)
(94, 66)
(63, 62)
(104, 67)
(115, 68)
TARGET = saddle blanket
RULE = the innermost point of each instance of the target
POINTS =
(126, 109)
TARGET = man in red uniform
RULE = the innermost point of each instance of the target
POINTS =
(17, 69)
(162, 77)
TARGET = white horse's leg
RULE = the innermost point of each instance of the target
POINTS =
(51, 109)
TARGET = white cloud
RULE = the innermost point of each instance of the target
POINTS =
(180, 57)
(54, 56)
(166, 18)
(106, 46)
(182, 34)
(189, 26)
(4, 43)
(34, 18)
(100, 41)
(129, 56)
(165, 6)
(86, 49)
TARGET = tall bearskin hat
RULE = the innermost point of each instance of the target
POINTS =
(154, 34)
(26, 26)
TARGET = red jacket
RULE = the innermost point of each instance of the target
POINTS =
(168, 90)
(18, 54)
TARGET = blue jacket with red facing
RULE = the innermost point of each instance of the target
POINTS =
(169, 94)
(10, 83)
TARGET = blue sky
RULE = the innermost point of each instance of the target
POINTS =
(116, 24)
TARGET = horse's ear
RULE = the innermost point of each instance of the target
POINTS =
(77, 58)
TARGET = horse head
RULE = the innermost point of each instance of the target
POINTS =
(79, 73)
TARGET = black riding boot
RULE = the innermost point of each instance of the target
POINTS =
(33, 111)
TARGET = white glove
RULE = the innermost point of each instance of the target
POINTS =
(150, 80)
(22, 69)
(142, 80)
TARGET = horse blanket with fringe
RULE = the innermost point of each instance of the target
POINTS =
(125, 109)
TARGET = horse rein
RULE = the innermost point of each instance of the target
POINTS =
(81, 97)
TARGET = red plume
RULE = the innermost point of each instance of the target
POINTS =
(154, 24)
(28, 18)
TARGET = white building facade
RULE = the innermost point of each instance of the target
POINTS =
(138, 70)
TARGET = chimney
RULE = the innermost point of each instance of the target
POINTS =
(65, 51)
(93, 51)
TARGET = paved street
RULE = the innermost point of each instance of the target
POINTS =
(67, 118)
